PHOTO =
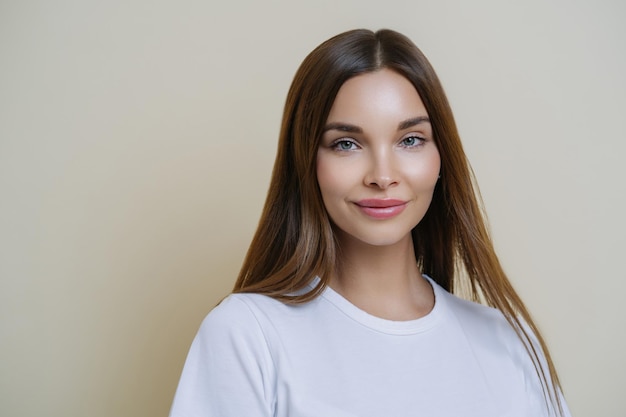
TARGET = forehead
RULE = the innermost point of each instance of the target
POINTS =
(380, 94)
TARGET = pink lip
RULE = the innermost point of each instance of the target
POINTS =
(381, 208)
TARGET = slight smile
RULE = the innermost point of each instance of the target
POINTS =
(381, 208)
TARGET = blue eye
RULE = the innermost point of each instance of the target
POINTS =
(412, 141)
(344, 145)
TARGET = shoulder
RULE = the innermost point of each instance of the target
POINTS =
(239, 312)
(235, 331)
(243, 316)
(484, 326)
(473, 313)
(470, 313)
(230, 354)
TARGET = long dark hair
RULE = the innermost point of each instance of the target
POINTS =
(294, 241)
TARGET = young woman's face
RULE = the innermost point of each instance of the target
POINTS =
(377, 164)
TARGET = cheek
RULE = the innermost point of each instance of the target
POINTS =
(424, 173)
(331, 177)
(322, 175)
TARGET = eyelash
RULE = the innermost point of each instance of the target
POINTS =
(418, 139)
(336, 145)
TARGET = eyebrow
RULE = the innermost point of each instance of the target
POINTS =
(413, 122)
(343, 127)
(346, 127)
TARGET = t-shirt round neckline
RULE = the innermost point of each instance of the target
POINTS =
(379, 324)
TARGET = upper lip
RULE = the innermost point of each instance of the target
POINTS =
(380, 203)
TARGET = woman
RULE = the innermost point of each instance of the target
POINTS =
(343, 306)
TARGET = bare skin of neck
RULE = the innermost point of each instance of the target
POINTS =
(384, 281)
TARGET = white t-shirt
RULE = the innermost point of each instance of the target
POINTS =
(254, 356)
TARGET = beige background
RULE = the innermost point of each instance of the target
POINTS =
(137, 139)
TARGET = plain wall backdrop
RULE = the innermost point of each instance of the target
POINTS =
(137, 140)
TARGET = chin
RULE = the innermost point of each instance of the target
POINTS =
(373, 239)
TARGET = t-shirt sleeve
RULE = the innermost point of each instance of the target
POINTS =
(229, 369)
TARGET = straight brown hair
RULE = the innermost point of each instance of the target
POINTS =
(294, 241)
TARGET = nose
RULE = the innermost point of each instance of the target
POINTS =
(381, 172)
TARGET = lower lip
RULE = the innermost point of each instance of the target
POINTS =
(383, 212)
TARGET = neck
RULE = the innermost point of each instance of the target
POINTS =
(383, 280)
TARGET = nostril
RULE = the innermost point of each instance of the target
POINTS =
(381, 182)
